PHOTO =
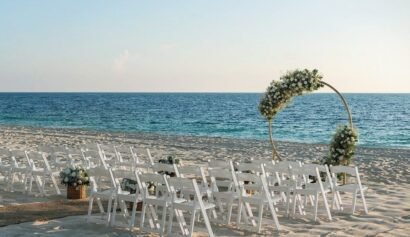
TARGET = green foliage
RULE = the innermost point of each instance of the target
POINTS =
(342, 146)
(171, 159)
(280, 93)
(74, 176)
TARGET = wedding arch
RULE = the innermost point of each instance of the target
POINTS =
(298, 82)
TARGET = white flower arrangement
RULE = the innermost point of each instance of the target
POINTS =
(342, 146)
(74, 177)
(280, 93)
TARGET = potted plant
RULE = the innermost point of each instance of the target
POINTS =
(76, 179)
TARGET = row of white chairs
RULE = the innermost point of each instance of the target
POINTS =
(43, 165)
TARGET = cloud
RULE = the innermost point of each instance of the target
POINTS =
(120, 63)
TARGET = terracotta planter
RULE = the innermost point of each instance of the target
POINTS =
(76, 192)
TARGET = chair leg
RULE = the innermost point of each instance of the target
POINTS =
(133, 213)
(55, 184)
(100, 206)
(90, 207)
(144, 209)
(260, 216)
(164, 219)
(364, 201)
(191, 227)
(326, 206)
(230, 203)
(238, 221)
(288, 202)
(114, 212)
(170, 220)
(316, 205)
(207, 224)
(354, 201)
(274, 216)
(294, 204)
(109, 210)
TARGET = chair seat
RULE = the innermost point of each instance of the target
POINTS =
(226, 195)
(105, 193)
(192, 205)
(349, 188)
(258, 198)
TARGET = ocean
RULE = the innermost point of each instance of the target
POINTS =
(382, 120)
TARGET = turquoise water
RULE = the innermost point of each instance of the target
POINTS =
(381, 119)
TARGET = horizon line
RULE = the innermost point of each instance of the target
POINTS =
(192, 92)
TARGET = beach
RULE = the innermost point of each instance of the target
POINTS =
(385, 171)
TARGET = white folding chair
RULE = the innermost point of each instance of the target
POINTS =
(224, 191)
(279, 181)
(152, 201)
(354, 188)
(254, 191)
(6, 166)
(303, 187)
(40, 171)
(19, 170)
(142, 166)
(103, 187)
(177, 184)
(108, 155)
(122, 195)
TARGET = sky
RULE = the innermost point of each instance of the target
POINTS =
(202, 46)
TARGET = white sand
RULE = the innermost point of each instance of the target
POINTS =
(385, 171)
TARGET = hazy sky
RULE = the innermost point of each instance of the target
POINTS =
(218, 46)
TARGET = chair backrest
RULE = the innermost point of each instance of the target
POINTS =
(277, 173)
(148, 181)
(249, 183)
(291, 164)
(249, 167)
(302, 175)
(263, 161)
(37, 160)
(123, 153)
(90, 147)
(349, 170)
(178, 185)
(93, 157)
(323, 169)
(120, 175)
(19, 158)
(193, 172)
(226, 164)
(222, 180)
(108, 150)
(101, 178)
